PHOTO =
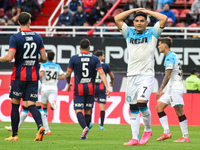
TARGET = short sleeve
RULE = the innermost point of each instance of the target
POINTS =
(157, 30)
(169, 63)
(98, 64)
(125, 30)
(42, 67)
(108, 68)
(13, 42)
(60, 70)
(41, 46)
(71, 63)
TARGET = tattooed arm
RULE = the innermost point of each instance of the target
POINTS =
(164, 83)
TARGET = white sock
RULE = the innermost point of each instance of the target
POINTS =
(146, 116)
(135, 125)
(164, 123)
(23, 116)
(44, 121)
(184, 128)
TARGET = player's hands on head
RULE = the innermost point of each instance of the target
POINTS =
(142, 10)
(69, 87)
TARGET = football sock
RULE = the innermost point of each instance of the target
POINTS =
(183, 126)
(15, 119)
(102, 117)
(146, 116)
(164, 121)
(45, 111)
(81, 119)
(36, 115)
(44, 121)
(135, 123)
(23, 116)
(87, 120)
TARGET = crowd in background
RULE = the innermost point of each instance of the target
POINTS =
(90, 12)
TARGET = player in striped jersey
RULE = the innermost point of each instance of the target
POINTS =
(25, 46)
(85, 66)
(100, 89)
(141, 45)
(173, 81)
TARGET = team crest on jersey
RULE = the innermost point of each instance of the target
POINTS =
(139, 41)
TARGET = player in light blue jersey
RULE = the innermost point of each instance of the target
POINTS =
(50, 74)
(141, 45)
(173, 96)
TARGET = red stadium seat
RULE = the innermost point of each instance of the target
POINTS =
(124, 1)
(115, 11)
(178, 24)
(180, 2)
(158, 10)
(176, 13)
(1, 12)
(190, 2)
(111, 24)
(193, 25)
(184, 12)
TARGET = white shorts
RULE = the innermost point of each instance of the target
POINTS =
(172, 97)
(139, 87)
(49, 96)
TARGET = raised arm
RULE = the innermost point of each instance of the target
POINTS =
(120, 17)
(162, 18)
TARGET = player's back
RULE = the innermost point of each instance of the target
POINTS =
(27, 45)
(85, 67)
(51, 73)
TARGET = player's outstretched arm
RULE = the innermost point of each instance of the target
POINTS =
(120, 17)
(103, 78)
(9, 57)
(164, 82)
(68, 78)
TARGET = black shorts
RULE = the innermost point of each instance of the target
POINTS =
(100, 97)
(83, 102)
(28, 90)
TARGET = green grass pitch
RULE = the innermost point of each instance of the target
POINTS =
(66, 136)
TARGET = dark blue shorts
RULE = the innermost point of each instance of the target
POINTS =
(28, 90)
(83, 102)
(100, 97)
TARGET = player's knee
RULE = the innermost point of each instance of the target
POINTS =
(134, 109)
(158, 109)
(142, 106)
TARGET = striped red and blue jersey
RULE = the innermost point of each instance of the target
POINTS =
(99, 86)
(85, 66)
(27, 45)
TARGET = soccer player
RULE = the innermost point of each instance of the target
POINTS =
(24, 112)
(173, 96)
(85, 67)
(50, 74)
(25, 46)
(141, 44)
(100, 89)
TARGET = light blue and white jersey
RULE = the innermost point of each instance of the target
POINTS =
(141, 48)
(172, 62)
(51, 73)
